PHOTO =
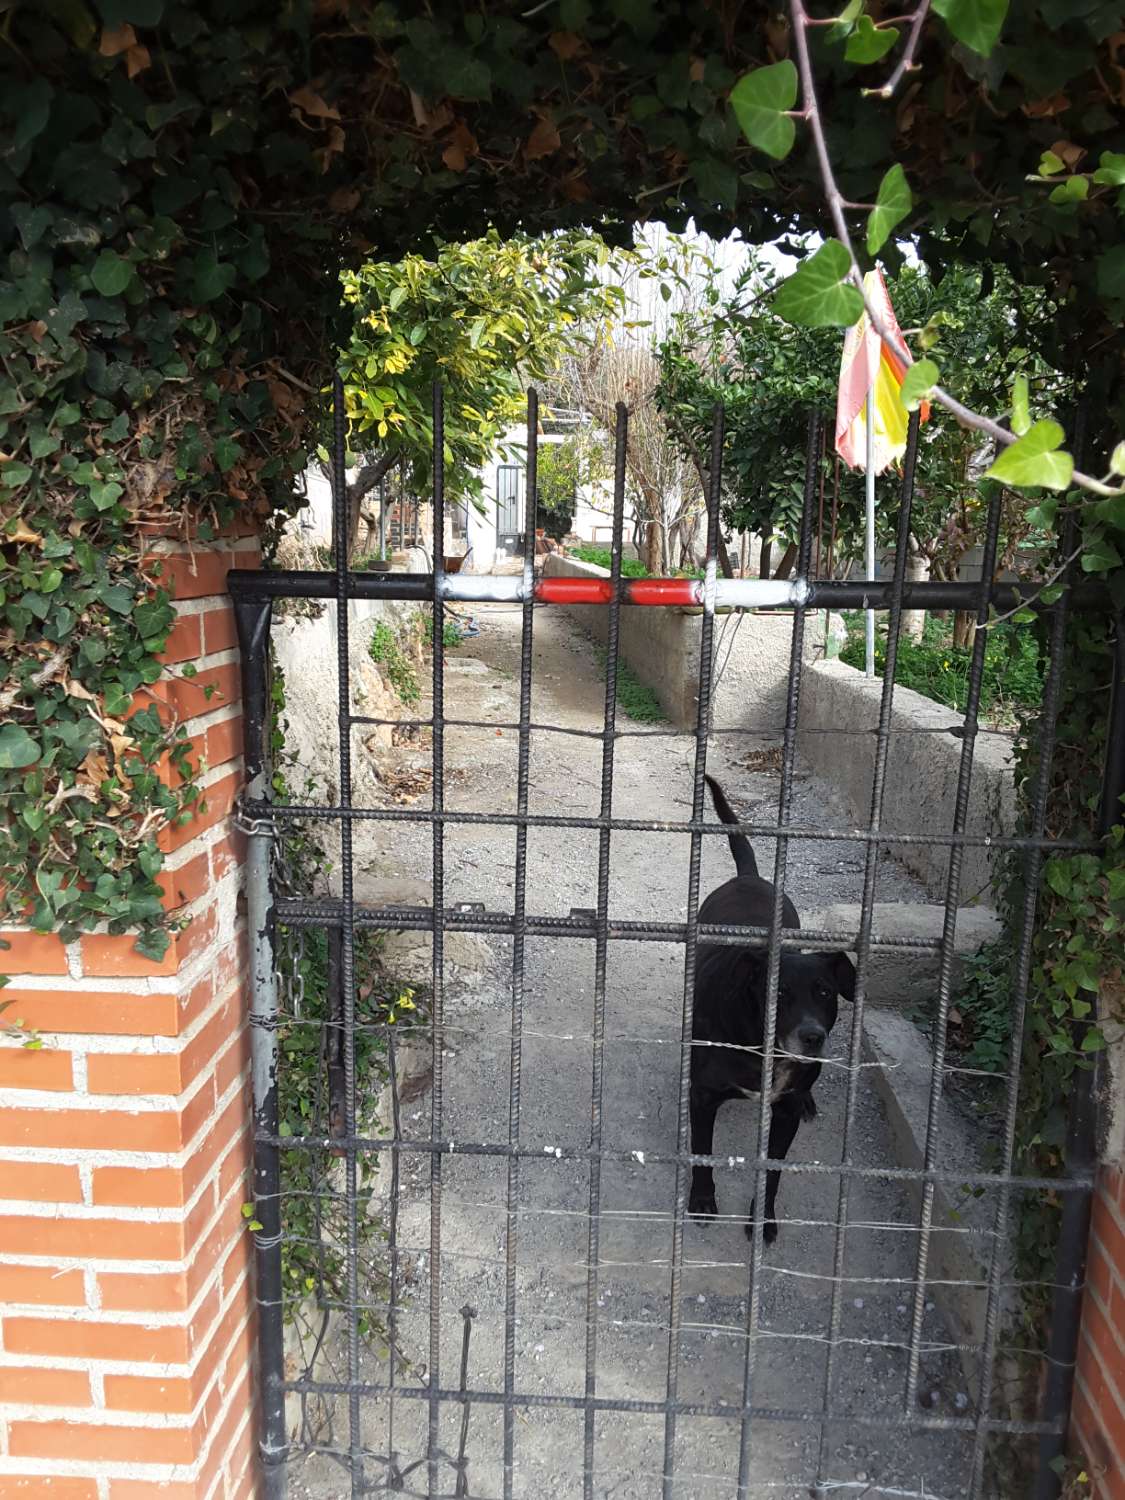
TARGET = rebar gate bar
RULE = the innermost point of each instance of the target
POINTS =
(377, 1287)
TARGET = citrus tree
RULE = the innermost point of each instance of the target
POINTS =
(485, 319)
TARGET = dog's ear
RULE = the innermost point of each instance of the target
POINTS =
(843, 972)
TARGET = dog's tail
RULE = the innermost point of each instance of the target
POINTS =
(744, 861)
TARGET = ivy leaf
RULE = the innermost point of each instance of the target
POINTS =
(1049, 164)
(1021, 415)
(844, 24)
(1117, 460)
(1043, 516)
(17, 748)
(816, 296)
(1111, 272)
(760, 100)
(1099, 555)
(1111, 171)
(1074, 190)
(868, 43)
(111, 273)
(892, 204)
(153, 943)
(1035, 460)
(210, 276)
(977, 23)
(918, 382)
(32, 223)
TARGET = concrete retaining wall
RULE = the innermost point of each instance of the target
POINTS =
(922, 769)
(662, 646)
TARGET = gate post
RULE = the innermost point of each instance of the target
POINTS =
(125, 1301)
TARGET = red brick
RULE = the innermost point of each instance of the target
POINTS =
(138, 1187)
(1109, 1345)
(46, 1487)
(197, 999)
(145, 1073)
(150, 1489)
(35, 1068)
(92, 1239)
(41, 1286)
(227, 853)
(201, 574)
(216, 802)
(234, 1061)
(117, 957)
(32, 953)
(224, 741)
(76, 1338)
(40, 1182)
(79, 1440)
(89, 1013)
(219, 631)
(236, 1166)
(1104, 1399)
(187, 883)
(141, 1393)
(44, 1387)
(1103, 1465)
(211, 688)
(143, 1291)
(92, 1129)
(185, 640)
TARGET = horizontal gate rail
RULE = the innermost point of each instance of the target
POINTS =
(730, 593)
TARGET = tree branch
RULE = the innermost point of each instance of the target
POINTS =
(964, 414)
(906, 63)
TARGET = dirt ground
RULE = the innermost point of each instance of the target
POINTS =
(644, 998)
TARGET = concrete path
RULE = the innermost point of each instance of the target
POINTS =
(644, 998)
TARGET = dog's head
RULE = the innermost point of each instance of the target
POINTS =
(809, 987)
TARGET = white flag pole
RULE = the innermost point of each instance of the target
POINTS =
(869, 550)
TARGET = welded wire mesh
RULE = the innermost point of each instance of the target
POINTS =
(358, 1380)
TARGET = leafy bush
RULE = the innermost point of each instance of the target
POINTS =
(601, 557)
(1013, 672)
(386, 649)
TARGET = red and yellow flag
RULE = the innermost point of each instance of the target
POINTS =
(869, 364)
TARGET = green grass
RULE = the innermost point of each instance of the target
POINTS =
(602, 558)
(386, 650)
(635, 699)
(1013, 673)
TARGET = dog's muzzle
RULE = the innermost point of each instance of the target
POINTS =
(811, 1039)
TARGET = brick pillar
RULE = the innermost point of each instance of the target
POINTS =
(1099, 1396)
(125, 1300)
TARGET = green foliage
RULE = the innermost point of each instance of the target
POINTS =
(1012, 678)
(817, 294)
(760, 102)
(485, 318)
(386, 648)
(1034, 460)
(601, 557)
(635, 699)
(892, 204)
(562, 467)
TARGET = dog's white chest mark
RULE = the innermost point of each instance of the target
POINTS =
(782, 1074)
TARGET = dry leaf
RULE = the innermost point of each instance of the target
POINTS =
(94, 769)
(544, 140)
(1069, 153)
(309, 100)
(565, 45)
(117, 39)
(21, 532)
(74, 689)
(454, 158)
(955, 1017)
(137, 59)
(38, 330)
(343, 200)
(1043, 108)
(421, 114)
(335, 145)
(695, 72)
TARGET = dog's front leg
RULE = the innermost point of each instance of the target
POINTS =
(785, 1121)
(704, 1108)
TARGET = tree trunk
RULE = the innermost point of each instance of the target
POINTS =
(917, 571)
(785, 566)
(364, 482)
(964, 623)
(764, 557)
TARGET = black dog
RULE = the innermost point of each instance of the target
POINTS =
(730, 1007)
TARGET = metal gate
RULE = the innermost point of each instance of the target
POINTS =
(508, 506)
(463, 1431)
